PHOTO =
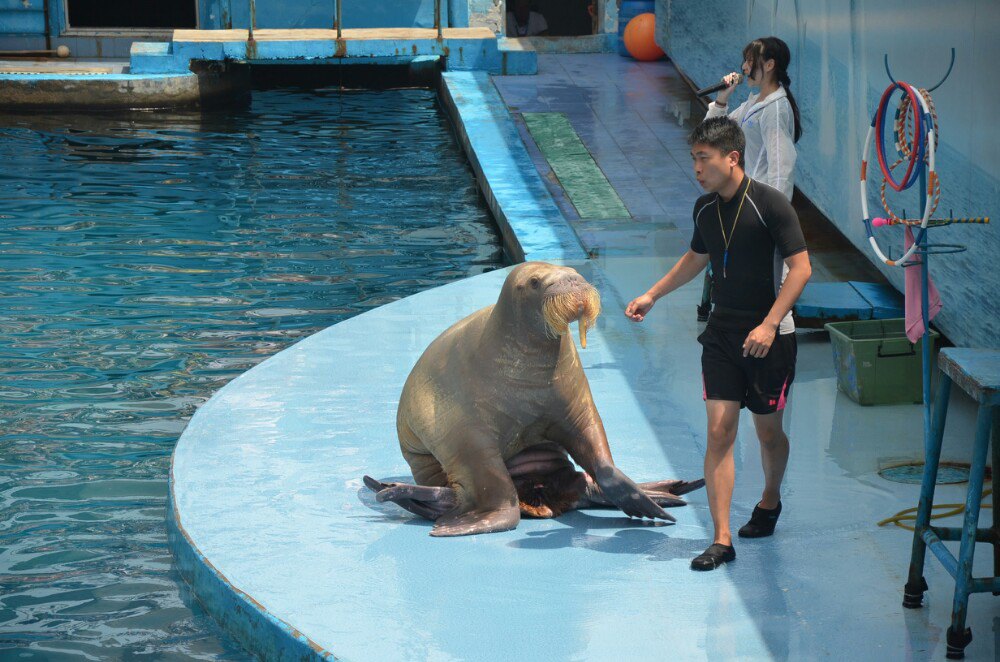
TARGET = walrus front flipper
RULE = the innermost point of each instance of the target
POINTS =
(472, 522)
(588, 446)
(487, 498)
(427, 502)
(621, 491)
(589, 449)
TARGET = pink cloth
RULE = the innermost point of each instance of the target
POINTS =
(914, 320)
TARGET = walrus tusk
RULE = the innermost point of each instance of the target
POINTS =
(583, 332)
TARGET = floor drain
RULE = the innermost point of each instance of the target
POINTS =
(914, 473)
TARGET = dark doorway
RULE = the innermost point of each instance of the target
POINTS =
(132, 14)
(567, 18)
(551, 18)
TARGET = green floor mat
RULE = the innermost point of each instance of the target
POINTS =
(585, 185)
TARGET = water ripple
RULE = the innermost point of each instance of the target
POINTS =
(147, 259)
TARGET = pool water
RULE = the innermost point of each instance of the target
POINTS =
(147, 259)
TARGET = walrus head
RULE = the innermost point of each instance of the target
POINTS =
(551, 298)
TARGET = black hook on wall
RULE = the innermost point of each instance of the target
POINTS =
(930, 89)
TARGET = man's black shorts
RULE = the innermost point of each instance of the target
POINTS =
(760, 385)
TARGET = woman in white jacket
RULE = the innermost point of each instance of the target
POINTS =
(769, 119)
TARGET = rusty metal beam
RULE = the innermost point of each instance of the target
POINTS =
(253, 18)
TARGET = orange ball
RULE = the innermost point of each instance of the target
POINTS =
(640, 38)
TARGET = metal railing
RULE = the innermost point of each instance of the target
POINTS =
(253, 17)
(338, 18)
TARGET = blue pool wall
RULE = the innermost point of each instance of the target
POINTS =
(838, 76)
(270, 637)
(529, 220)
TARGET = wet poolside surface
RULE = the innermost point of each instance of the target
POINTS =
(365, 580)
(145, 261)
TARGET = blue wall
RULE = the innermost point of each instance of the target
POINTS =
(838, 77)
(320, 13)
(22, 22)
(22, 18)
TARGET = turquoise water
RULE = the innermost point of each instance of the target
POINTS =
(146, 260)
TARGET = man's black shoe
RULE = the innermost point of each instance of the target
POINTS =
(761, 523)
(713, 557)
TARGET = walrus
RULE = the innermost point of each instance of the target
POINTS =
(497, 410)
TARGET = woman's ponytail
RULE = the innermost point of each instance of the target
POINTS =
(785, 82)
(759, 51)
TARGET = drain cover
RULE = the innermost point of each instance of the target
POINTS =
(914, 473)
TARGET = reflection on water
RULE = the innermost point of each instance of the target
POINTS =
(146, 260)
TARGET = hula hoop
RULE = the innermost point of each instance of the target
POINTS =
(902, 116)
(931, 174)
(915, 153)
(902, 125)
(891, 213)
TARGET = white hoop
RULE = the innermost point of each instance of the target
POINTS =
(931, 176)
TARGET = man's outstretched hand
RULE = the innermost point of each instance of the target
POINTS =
(639, 307)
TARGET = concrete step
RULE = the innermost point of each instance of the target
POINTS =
(152, 58)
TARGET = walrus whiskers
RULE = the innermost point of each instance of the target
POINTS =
(561, 309)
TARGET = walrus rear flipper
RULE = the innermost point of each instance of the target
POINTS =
(664, 493)
(438, 504)
(674, 487)
(427, 502)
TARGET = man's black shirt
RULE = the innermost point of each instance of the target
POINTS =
(766, 232)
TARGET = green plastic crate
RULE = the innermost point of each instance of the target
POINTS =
(876, 364)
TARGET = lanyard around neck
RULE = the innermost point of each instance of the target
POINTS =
(732, 230)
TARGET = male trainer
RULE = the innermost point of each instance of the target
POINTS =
(751, 234)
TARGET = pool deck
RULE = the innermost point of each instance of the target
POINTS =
(285, 546)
